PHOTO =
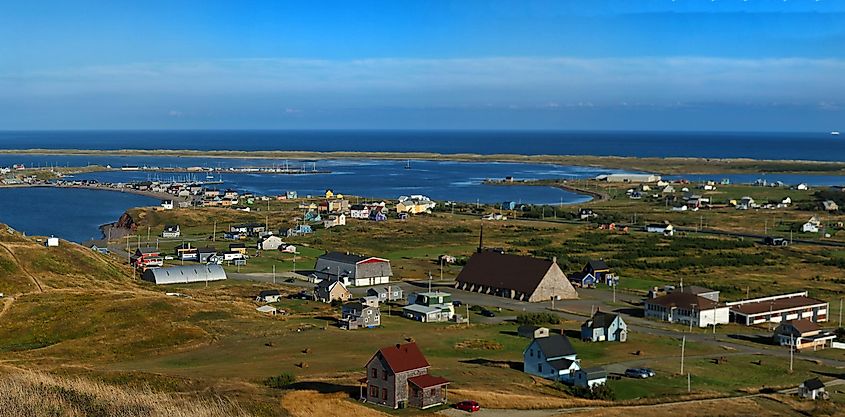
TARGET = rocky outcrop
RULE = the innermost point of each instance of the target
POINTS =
(125, 225)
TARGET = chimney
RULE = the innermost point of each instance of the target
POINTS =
(554, 259)
(398, 345)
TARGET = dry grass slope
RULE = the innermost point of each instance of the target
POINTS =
(26, 393)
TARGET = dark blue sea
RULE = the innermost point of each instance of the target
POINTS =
(72, 214)
(764, 145)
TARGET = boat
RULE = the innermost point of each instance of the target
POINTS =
(209, 177)
(835, 133)
(408, 165)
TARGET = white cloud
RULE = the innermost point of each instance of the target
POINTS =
(498, 81)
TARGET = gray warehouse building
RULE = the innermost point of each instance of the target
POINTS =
(185, 274)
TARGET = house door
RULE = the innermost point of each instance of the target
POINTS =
(401, 404)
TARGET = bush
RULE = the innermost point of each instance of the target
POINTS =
(537, 319)
(598, 392)
(280, 381)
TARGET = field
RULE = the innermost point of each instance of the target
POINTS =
(85, 324)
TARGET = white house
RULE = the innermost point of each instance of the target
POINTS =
(552, 358)
(802, 186)
(665, 228)
(269, 296)
(812, 225)
(171, 231)
(685, 308)
(271, 242)
(52, 242)
(812, 389)
(167, 204)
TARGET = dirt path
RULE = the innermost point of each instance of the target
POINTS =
(20, 264)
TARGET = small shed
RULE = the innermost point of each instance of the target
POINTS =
(532, 332)
(267, 310)
(52, 242)
(812, 389)
(590, 377)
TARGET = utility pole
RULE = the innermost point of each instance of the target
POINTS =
(148, 235)
(683, 346)
(689, 383)
(214, 233)
(274, 273)
(791, 348)
(840, 313)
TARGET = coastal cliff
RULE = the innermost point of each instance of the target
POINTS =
(125, 225)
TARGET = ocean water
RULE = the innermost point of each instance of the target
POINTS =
(763, 145)
(72, 214)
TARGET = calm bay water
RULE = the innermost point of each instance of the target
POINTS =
(72, 214)
(75, 214)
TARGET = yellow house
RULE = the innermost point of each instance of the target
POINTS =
(329, 193)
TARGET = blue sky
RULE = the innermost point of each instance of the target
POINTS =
(471, 64)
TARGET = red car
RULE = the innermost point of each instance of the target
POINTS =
(469, 406)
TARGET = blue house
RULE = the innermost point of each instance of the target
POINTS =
(299, 230)
(508, 205)
(604, 327)
(551, 357)
(598, 268)
(582, 279)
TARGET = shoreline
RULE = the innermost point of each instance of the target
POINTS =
(662, 166)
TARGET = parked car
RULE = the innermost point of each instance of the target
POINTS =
(457, 303)
(290, 280)
(636, 373)
(468, 405)
(649, 371)
(487, 313)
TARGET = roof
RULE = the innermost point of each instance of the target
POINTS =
(403, 357)
(343, 257)
(207, 249)
(694, 289)
(683, 300)
(266, 309)
(146, 250)
(776, 305)
(428, 381)
(804, 325)
(600, 320)
(555, 345)
(594, 373)
(237, 245)
(578, 276)
(597, 265)
(520, 273)
(265, 293)
(418, 308)
(560, 364)
(185, 274)
(813, 384)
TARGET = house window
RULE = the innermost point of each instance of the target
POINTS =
(373, 391)
(384, 394)
(531, 352)
(540, 367)
(384, 375)
(374, 373)
(431, 392)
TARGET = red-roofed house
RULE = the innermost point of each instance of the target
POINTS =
(397, 377)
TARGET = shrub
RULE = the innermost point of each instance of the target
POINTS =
(537, 319)
(280, 381)
(598, 392)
